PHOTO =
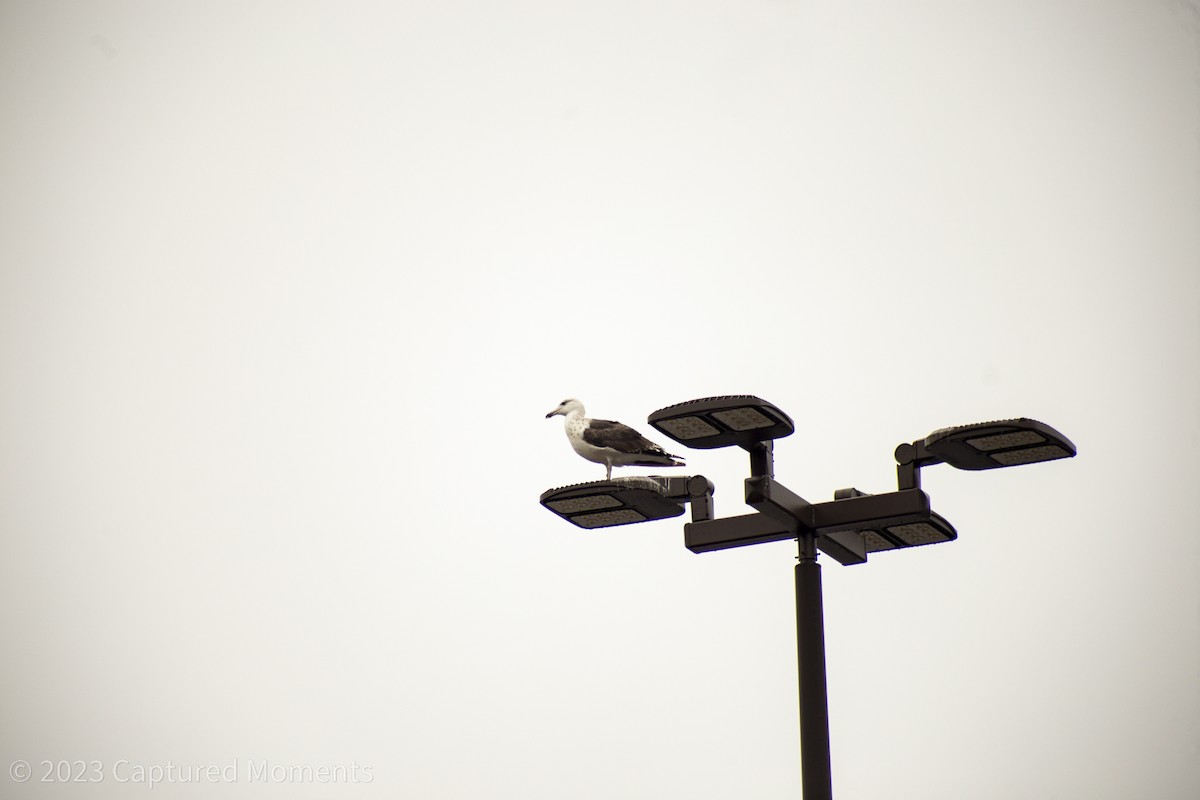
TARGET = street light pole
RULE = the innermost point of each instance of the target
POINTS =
(816, 779)
(847, 529)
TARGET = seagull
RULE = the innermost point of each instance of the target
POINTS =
(610, 443)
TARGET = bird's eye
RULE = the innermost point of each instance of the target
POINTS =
(564, 402)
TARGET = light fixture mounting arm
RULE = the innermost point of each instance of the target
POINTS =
(762, 458)
(909, 460)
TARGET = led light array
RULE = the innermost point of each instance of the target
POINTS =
(912, 534)
(722, 421)
(604, 504)
(1007, 443)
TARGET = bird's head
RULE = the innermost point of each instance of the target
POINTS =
(566, 407)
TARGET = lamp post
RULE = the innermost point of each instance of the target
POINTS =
(847, 528)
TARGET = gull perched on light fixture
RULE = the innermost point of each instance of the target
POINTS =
(610, 443)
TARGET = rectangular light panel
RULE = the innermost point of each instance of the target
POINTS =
(917, 533)
(684, 428)
(875, 542)
(1003, 441)
(589, 503)
(1030, 455)
(744, 419)
(603, 519)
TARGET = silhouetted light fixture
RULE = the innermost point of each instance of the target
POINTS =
(1007, 443)
(901, 519)
(740, 419)
(623, 501)
(985, 445)
(910, 534)
(847, 528)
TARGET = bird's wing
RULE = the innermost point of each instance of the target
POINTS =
(606, 433)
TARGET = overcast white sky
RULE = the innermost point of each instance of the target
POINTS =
(287, 288)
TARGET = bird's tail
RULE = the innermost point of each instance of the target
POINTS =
(665, 461)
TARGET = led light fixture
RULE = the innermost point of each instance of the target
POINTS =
(989, 445)
(932, 530)
(886, 522)
(742, 420)
(603, 504)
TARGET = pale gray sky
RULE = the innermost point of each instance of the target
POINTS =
(287, 288)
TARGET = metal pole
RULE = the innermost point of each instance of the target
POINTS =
(816, 782)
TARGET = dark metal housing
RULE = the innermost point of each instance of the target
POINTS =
(739, 419)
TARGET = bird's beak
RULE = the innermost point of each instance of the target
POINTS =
(552, 413)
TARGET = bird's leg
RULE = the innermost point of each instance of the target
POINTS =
(608, 470)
